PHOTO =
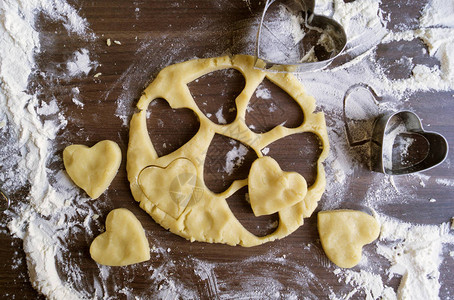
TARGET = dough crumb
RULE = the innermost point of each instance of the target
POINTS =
(117, 42)
(95, 217)
(97, 75)
(108, 42)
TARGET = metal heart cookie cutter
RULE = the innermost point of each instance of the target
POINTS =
(399, 144)
(291, 38)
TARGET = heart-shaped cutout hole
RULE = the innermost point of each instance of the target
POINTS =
(271, 189)
(227, 160)
(169, 128)
(170, 188)
(343, 233)
(215, 94)
(92, 169)
(240, 206)
(271, 106)
(297, 153)
(123, 243)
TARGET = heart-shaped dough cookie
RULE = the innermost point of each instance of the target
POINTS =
(123, 243)
(92, 169)
(271, 189)
(170, 188)
(343, 234)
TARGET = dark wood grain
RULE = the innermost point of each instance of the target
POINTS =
(163, 33)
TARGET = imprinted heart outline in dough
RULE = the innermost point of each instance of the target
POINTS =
(171, 195)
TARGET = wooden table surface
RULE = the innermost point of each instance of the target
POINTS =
(161, 33)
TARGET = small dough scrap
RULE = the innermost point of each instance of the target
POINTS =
(343, 234)
(124, 242)
(171, 188)
(93, 169)
(271, 189)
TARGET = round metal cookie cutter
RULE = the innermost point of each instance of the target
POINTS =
(325, 37)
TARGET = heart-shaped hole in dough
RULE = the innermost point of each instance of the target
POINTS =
(168, 128)
(215, 94)
(123, 243)
(297, 153)
(92, 169)
(271, 106)
(240, 206)
(271, 189)
(227, 160)
(343, 233)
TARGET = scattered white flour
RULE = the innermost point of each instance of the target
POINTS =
(77, 102)
(414, 252)
(445, 182)
(391, 134)
(370, 283)
(263, 93)
(438, 13)
(80, 64)
(220, 116)
(235, 158)
(31, 138)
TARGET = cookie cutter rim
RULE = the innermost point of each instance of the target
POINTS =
(377, 136)
(5, 198)
(438, 147)
(295, 67)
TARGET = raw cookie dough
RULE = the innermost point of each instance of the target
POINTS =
(171, 196)
(343, 234)
(92, 169)
(271, 189)
(123, 243)
(207, 216)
